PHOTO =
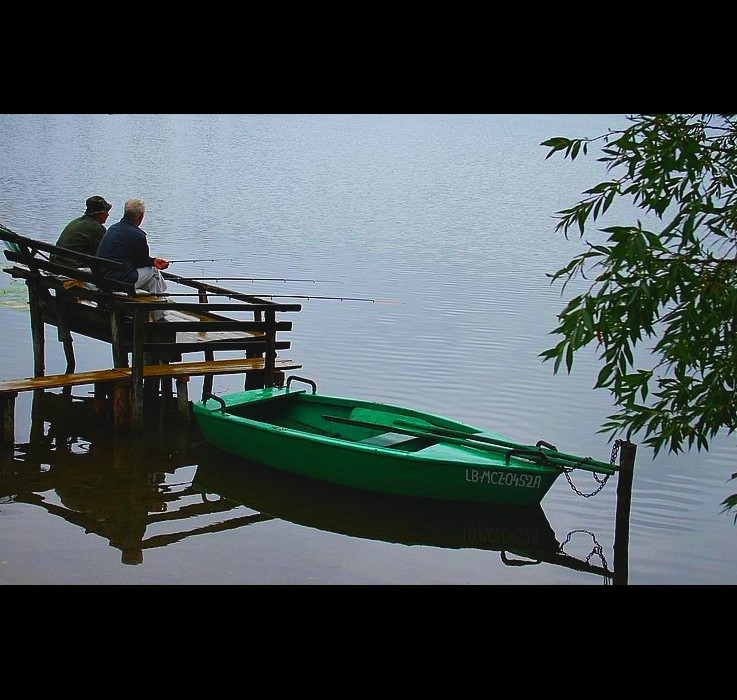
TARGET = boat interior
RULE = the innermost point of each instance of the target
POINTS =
(336, 418)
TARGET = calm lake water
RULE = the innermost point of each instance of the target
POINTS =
(446, 222)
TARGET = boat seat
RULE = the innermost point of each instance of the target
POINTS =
(386, 440)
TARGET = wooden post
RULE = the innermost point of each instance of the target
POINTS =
(37, 435)
(151, 385)
(270, 353)
(64, 335)
(121, 400)
(37, 330)
(208, 378)
(253, 380)
(182, 399)
(627, 452)
(137, 369)
(120, 355)
(99, 405)
(7, 409)
(209, 354)
(166, 393)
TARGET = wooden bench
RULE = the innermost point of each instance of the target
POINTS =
(84, 300)
(122, 379)
(88, 302)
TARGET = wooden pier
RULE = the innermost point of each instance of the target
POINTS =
(146, 355)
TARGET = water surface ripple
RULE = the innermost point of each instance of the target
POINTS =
(446, 223)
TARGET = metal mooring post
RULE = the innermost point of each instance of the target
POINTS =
(627, 452)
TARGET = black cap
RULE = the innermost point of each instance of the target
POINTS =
(97, 205)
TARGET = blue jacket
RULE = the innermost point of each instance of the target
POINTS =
(126, 243)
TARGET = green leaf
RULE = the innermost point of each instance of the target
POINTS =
(673, 282)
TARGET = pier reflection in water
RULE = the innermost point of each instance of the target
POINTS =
(113, 485)
(164, 486)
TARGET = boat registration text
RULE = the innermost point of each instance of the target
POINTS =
(488, 476)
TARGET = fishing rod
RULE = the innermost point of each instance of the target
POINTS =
(306, 296)
(194, 260)
(280, 296)
(252, 279)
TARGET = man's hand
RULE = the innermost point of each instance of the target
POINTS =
(160, 263)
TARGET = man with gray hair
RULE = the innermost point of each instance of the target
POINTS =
(126, 242)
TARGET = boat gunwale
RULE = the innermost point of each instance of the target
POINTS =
(416, 458)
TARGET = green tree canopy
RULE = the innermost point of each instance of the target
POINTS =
(672, 284)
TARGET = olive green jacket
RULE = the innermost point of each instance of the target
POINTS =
(83, 235)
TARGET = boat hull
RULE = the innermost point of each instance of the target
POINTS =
(267, 426)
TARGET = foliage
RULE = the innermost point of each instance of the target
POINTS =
(673, 282)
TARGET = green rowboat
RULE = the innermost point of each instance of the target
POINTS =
(382, 447)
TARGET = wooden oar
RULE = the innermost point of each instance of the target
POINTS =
(418, 423)
(604, 466)
(550, 458)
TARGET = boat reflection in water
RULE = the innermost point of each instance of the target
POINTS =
(157, 489)
(522, 535)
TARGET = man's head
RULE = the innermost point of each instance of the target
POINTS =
(134, 209)
(98, 208)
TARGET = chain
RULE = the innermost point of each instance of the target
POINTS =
(615, 452)
(602, 482)
(598, 550)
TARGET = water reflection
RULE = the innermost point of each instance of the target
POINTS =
(522, 535)
(159, 488)
(111, 485)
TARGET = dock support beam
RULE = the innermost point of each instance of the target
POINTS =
(270, 353)
(7, 413)
(253, 381)
(137, 369)
(63, 334)
(183, 399)
(120, 355)
(37, 331)
(121, 400)
(209, 354)
(99, 404)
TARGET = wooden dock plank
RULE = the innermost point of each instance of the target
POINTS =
(58, 381)
(179, 369)
(210, 367)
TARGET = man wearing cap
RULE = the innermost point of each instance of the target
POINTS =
(84, 233)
